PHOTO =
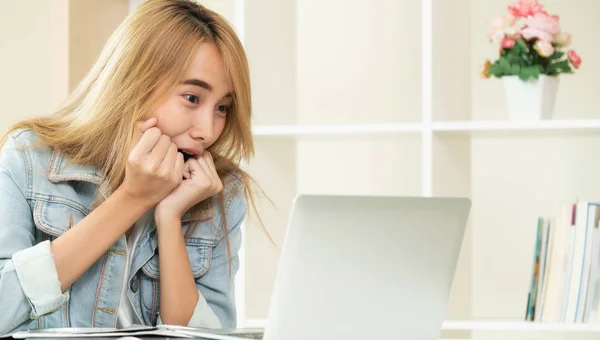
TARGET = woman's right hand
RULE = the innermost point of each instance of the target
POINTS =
(154, 166)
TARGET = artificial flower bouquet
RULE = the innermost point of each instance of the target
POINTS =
(531, 42)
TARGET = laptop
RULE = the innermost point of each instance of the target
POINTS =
(363, 267)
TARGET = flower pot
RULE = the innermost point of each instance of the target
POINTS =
(532, 99)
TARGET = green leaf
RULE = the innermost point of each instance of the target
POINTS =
(515, 69)
(514, 51)
(526, 60)
(504, 65)
(495, 70)
(516, 59)
(529, 71)
(521, 46)
(557, 55)
(559, 67)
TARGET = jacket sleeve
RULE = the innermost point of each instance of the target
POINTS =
(216, 307)
(29, 286)
(217, 286)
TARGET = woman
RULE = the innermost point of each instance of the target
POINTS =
(124, 207)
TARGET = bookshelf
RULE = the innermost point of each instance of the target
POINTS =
(328, 131)
(388, 110)
(481, 128)
(503, 326)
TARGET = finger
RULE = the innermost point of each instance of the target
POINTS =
(180, 166)
(187, 170)
(196, 169)
(147, 142)
(209, 160)
(206, 159)
(159, 151)
(141, 127)
(213, 170)
(204, 164)
(170, 158)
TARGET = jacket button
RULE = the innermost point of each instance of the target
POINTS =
(135, 284)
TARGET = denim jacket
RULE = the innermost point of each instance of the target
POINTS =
(42, 195)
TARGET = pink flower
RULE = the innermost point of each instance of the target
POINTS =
(541, 26)
(507, 43)
(574, 58)
(562, 39)
(543, 48)
(502, 26)
(525, 8)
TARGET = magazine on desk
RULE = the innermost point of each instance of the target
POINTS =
(136, 330)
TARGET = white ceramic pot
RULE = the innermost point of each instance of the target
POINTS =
(530, 100)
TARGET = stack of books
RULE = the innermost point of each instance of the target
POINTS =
(565, 280)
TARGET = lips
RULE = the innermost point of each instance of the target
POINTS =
(189, 153)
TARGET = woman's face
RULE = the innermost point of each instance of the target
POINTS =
(194, 114)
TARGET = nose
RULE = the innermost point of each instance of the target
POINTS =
(203, 127)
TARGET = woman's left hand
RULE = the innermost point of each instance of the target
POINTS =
(200, 181)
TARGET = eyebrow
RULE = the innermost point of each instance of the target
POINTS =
(199, 83)
(203, 84)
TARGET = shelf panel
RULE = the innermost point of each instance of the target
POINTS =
(363, 130)
(508, 127)
(469, 325)
(461, 128)
(508, 326)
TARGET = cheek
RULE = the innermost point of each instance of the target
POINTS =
(171, 119)
(161, 110)
(219, 126)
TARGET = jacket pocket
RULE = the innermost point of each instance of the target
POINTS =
(199, 252)
(56, 217)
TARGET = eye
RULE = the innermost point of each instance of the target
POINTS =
(192, 98)
(223, 108)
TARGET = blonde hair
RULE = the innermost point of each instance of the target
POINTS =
(144, 59)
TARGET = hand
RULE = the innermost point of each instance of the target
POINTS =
(154, 166)
(200, 181)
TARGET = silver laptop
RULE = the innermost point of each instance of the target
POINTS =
(363, 267)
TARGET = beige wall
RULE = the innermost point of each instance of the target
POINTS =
(91, 23)
(47, 48)
(270, 30)
(358, 61)
(33, 58)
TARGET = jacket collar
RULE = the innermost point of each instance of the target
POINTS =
(61, 169)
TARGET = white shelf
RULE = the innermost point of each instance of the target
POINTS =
(458, 127)
(507, 326)
(336, 130)
(516, 127)
(519, 326)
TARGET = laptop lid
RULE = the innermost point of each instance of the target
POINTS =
(366, 267)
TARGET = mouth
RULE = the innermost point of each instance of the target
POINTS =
(186, 154)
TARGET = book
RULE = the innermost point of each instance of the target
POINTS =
(565, 277)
